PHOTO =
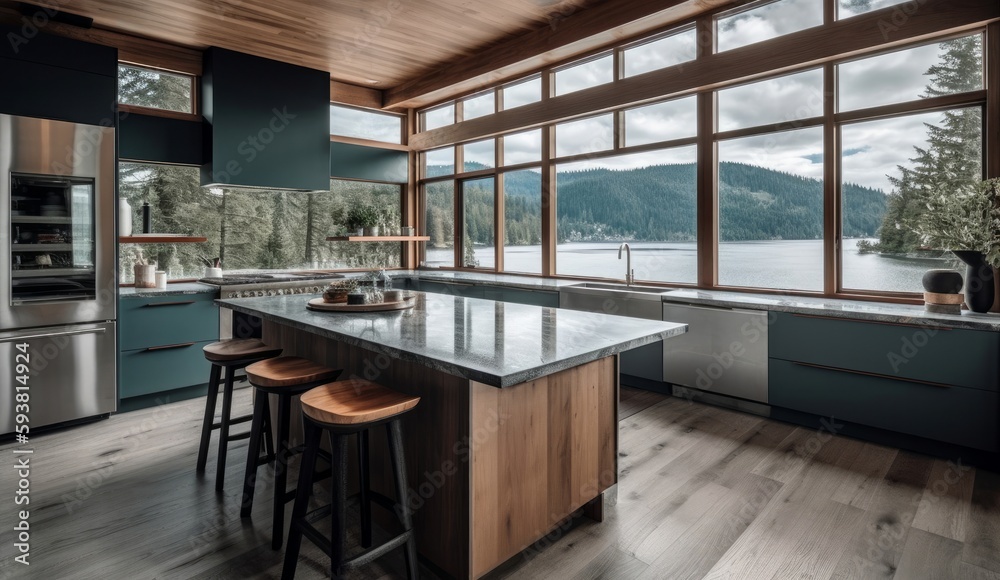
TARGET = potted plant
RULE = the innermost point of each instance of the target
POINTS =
(368, 216)
(967, 222)
(355, 221)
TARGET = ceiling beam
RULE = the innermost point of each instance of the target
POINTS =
(349, 94)
(568, 34)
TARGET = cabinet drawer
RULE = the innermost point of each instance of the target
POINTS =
(145, 322)
(955, 415)
(966, 358)
(153, 371)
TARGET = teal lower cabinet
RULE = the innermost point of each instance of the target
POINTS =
(952, 414)
(160, 341)
(158, 369)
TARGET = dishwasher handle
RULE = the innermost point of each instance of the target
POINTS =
(716, 308)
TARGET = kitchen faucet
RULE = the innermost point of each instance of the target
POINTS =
(629, 272)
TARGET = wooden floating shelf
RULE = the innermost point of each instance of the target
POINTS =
(378, 239)
(161, 239)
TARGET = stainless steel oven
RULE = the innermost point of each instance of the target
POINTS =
(58, 281)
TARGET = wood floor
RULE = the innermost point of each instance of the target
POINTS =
(704, 493)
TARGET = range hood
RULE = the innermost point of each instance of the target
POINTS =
(267, 123)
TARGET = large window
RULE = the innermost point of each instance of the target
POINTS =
(650, 55)
(766, 20)
(439, 224)
(253, 229)
(478, 213)
(590, 73)
(647, 199)
(771, 210)
(522, 221)
(890, 164)
(873, 130)
(664, 121)
(155, 89)
(363, 124)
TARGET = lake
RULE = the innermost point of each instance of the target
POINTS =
(785, 264)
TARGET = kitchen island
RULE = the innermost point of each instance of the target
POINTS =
(517, 424)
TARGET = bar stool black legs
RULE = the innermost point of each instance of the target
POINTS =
(283, 377)
(228, 356)
(206, 424)
(335, 546)
(226, 421)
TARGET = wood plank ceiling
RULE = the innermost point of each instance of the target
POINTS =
(374, 43)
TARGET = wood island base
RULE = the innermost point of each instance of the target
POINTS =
(491, 470)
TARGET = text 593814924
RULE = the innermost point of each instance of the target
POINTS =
(22, 459)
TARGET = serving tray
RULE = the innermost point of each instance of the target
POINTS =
(319, 305)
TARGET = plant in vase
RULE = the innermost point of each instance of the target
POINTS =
(368, 216)
(355, 220)
(967, 222)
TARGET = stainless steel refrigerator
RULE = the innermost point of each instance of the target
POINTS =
(58, 280)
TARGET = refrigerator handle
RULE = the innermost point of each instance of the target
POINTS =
(52, 334)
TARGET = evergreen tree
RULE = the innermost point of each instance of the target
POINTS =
(953, 158)
(273, 253)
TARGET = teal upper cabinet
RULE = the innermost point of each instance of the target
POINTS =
(52, 77)
(350, 161)
(267, 123)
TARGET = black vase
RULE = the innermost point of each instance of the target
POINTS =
(978, 280)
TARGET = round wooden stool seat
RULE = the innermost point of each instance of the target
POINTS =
(239, 349)
(288, 371)
(354, 401)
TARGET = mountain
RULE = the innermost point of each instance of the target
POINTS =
(657, 203)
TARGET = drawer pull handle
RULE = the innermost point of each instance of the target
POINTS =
(158, 304)
(876, 375)
(169, 346)
(904, 324)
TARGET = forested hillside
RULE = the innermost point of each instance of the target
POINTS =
(659, 203)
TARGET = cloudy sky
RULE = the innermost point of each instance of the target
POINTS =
(871, 150)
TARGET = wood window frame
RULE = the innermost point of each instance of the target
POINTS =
(194, 115)
(808, 49)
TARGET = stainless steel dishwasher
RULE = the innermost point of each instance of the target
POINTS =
(723, 352)
(640, 367)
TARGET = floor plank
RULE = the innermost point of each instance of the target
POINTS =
(876, 551)
(944, 507)
(704, 492)
(930, 556)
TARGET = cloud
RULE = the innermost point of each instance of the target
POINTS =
(779, 100)
(768, 21)
(665, 121)
(585, 75)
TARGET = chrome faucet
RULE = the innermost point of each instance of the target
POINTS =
(629, 272)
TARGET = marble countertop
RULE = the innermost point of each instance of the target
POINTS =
(853, 309)
(177, 289)
(496, 343)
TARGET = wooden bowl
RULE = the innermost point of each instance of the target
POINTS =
(939, 298)
(335, 296)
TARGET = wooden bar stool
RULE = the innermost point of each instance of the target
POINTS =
(231, 355)
(285, 377)
(343, 409)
